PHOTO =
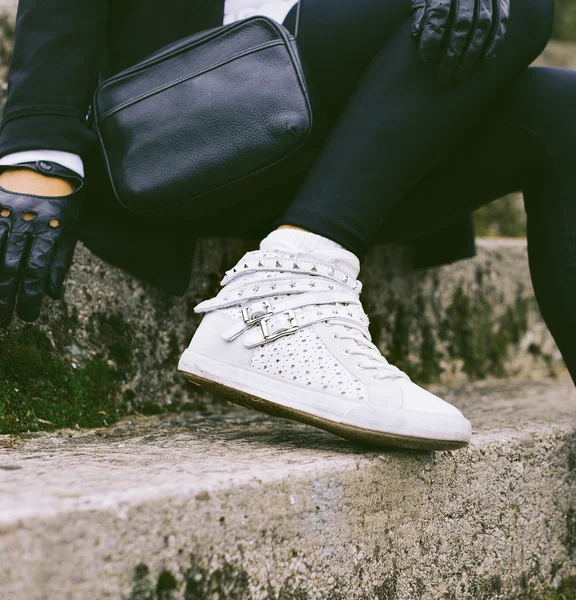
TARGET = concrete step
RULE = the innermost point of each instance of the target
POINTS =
(114, 343)
(241, 506)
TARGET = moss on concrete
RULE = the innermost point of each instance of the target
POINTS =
(469, 332)
(476, 338)
(566, 591)
(231, 581)
(41, 390)
(115, 335)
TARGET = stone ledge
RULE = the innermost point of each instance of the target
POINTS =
(113, 344)
(245, 507)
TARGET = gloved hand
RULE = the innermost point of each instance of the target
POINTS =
(459, 34)
(37, 243)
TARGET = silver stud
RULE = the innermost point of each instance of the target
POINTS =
(256, 288)
(330, 287)
(350, 314)
(273, 286)
(330, 271)
(292, 285)
(312, 285)
(240, 292)
(345, 279)
(356, 285)
(260, 264)
(234, 270)
(296, 266)
(246, 266)
(278, 263)
(314, 269)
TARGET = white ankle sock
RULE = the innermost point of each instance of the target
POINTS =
(296, 241)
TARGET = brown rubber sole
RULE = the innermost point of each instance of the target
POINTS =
(348, 432)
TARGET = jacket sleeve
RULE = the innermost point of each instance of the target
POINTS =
(57, 55)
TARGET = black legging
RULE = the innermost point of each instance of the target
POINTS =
(390, 124)
(407, 156)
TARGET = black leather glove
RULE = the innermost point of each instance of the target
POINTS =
(459, 34)
(37, 243)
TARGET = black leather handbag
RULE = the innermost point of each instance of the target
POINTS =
(186, 128)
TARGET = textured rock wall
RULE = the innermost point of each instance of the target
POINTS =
(113, 344)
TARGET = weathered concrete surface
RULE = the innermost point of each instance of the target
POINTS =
(246, 507)
(114, 342)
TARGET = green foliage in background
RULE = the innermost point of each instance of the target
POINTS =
(565, 22)
(504, 218)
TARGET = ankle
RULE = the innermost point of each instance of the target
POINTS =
(295, 240)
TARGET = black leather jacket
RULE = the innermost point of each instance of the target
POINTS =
(61, 47)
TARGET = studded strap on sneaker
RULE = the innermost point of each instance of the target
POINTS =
(280, 294)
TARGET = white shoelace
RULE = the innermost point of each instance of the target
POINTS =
(366, 348)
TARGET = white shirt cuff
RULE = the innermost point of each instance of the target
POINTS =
(65, 159)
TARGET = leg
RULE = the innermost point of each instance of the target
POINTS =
(529, 145)
(398, 123)
(287, 334)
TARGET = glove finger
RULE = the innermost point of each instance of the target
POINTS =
(417, 19)
(459, 36)
(34, 277)
(11, 264)
(60, 267)
(499, 29)
(434, 29)
(480, 36)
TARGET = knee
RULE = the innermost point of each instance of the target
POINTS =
(548, 95)
(533, 20)
(542, 102)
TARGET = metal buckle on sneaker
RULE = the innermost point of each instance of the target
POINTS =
(256, 312)
(272, 332)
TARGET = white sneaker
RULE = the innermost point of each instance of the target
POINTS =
(287, 336)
